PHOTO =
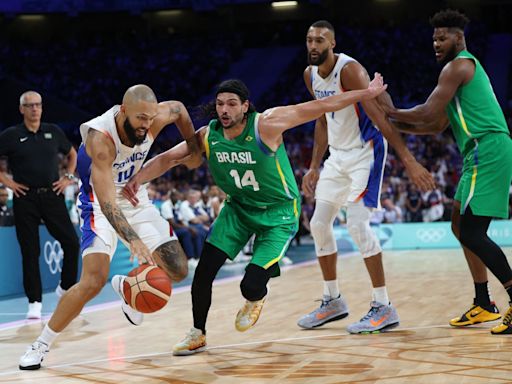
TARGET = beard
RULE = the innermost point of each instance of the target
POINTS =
(450, 55)
(234, 121)
(130, 132)
(322, 56)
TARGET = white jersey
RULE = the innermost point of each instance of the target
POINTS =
(128, 160)
(349, 127)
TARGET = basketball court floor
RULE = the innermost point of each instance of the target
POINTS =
(427, 287)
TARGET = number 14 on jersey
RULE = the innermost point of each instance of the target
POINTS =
(247, 179)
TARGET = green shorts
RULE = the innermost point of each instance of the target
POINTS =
(274, 228)
(486, 177)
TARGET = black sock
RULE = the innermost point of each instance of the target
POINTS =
(509, 291)
(482, 294)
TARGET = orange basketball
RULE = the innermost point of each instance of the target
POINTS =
(147, 288)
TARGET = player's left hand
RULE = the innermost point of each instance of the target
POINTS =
(376, 86)
(420, 176)
(60, 185)
(130, 191)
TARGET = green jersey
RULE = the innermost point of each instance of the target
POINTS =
(474, 110)
(249, 172)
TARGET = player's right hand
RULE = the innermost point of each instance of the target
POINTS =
(138, 249)
(421, 177)
(17, 188)
(309, 181)
(130, 191)
(376, 86)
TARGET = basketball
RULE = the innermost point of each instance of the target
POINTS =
(147, 288)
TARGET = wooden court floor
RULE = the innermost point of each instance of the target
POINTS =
(427, 287)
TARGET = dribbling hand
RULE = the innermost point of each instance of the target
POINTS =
(138, 249)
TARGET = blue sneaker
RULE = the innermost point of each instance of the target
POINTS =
(379, 318)
(330, 310)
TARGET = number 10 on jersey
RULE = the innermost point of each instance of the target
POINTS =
(247, 179)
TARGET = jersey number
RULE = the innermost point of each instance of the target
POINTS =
(125, 175)
(247, 179)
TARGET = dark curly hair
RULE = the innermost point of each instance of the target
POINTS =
(232, 85)
(449, 18)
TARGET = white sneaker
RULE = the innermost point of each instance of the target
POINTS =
(59, 291)
(133, 316)
(34, 310)
(193, 342)
(33, 356)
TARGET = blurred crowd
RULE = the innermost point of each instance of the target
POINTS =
(100, 69)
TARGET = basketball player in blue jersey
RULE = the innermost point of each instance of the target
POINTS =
(114, 147)
(351, 178)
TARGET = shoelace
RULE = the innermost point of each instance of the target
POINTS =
(39, 347)
(507, 320)
(192, 334)
(370, 313)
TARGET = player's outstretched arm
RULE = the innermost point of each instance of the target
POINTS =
(451, 78)
(102, 153)
(273, 122)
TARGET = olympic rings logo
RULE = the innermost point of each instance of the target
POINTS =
(431, 235)
(53, 255)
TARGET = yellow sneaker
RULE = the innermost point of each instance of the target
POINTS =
(249, 314)
(194, 342)
(477, 314)
(505, 328)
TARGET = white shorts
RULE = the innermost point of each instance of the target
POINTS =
(349, 176)
(145, 219)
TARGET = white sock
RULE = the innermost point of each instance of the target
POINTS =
(331, 288)
(380, 295)
(47, 336)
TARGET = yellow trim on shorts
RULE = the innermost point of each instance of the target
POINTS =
(295, 209)
(473, 181)
(275, 260)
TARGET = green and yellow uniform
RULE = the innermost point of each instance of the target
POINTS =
(483, 138)
(262, 195)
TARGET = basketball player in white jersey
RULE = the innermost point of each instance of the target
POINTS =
(351, 178)
(114, 147)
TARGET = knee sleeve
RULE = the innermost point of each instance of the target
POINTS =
(358, 225)
(321, 228)
(254, 283)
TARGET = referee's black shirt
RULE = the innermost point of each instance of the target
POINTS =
(33, 157)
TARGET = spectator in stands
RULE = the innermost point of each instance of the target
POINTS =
(196, 218)
(32, 149)
(413, 205)
(6, 213)
(434, 207)
(183, 232)
(392, 212)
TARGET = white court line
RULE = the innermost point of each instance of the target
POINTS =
(148, 355)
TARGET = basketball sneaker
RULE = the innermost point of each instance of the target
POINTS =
(330, 310)
(379, 318)
(133, 316)
(249, 314)
(477, 314)
(34, 310)
(194, 342)
(34, 355)
(505, 328)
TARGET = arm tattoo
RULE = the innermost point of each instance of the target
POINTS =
(117, 219)
(174, 110)
(173, 260)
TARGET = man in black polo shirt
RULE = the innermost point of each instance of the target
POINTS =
(32, 149)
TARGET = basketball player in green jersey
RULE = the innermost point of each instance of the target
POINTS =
(248, 161)
(464, 99)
